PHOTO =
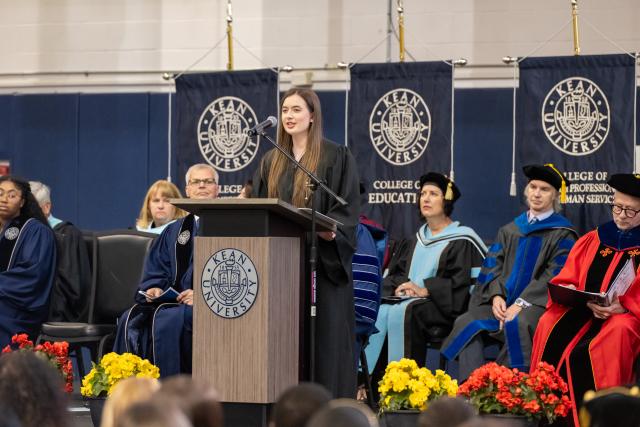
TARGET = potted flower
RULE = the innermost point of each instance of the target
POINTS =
(113, 367)
(498, 390)
(406, 389)
(56, 353)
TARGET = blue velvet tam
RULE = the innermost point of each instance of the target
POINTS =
(627, 183)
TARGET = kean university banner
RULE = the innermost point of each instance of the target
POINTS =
(399, 128)
(577, 112)
(214, 113)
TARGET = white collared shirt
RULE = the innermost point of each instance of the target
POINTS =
(539, 217)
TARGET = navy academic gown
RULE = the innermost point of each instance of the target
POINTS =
(26, 282)
(162, 333)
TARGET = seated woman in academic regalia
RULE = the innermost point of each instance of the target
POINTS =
(430, 275)
(27, 261)
(156, 212)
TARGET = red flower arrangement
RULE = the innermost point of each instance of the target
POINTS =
(495, 389)
(56, 353)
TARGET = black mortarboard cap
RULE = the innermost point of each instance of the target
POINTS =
(448, 187)
(549, 174)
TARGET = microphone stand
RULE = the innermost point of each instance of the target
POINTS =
(313, 185)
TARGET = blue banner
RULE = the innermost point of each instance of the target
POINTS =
(399, 128)
(577, 112)
(214, 113)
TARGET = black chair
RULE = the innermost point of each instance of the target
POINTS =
(118, 261)
(437, 335)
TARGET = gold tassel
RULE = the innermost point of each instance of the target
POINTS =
(563, 186)
(448, 195)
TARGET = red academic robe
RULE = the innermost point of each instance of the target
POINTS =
(591, 353)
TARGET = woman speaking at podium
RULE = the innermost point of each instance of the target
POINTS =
(300, 133)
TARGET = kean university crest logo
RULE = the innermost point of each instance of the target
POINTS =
(11, 233)
(229, 283)
(576, 116)
(222, 134)
(400, 126)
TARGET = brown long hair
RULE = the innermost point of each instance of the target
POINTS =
(311, 157)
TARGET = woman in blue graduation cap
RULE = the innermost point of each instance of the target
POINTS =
(430, 276)
(27, 261)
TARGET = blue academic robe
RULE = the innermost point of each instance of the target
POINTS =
(520, 263)
(161, 332)
(25, 286)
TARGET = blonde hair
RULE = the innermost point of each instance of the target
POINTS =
(124, 394)
(165, 189)
(311, 157)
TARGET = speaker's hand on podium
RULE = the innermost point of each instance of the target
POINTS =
(327, 235)
(186, 297)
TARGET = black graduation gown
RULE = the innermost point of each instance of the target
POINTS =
(449, 287)
(70, 294)
(335, 322)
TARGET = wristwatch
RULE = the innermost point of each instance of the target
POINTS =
(522, 303)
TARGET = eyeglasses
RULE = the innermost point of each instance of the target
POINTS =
(206, 182)
(629, 213)
(11, 195)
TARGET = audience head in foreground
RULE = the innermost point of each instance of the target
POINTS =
(198, 400)
(124, 394)
(33, 389)
(617, 406)
(446, 412)
(296, 405)
(153, 414)
(344, 413)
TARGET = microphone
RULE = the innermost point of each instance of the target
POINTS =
(260, 127)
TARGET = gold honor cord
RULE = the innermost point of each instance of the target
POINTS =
(400, 10)
(574, 19)
(563, 186)
(229, 36)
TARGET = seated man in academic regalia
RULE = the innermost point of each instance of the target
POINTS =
(70, 294)
(512, 286)
(162, 332)
(595, 346)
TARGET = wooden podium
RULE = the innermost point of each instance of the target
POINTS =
(247, 284)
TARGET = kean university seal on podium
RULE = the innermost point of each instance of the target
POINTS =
(576, 116)
(229, 283)
(222, 134)
(400, 126)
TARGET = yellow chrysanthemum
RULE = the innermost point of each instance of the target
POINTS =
(405, 385)
(114, 367)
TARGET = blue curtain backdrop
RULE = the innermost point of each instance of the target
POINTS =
(100, 153)
(577, 113)
(399, 128)
(214, 112)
